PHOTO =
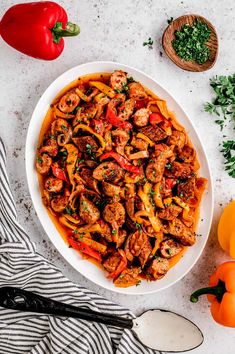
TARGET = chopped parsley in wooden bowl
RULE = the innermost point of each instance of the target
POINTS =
(191, 43)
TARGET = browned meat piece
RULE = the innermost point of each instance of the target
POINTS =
(126, 109)
(114, 213)
(134, 244)
(158, 268)
(91, 163)
(141, 117)
(88, 211)
(145, 253)
(136, 91)
(129, 277)
(186, 190)
(85, 114)
(120, 139)
(118, 80)
(111, 263)
(86, 143)
(121, 237)
(171, 212)
(43, 164)
(187, 154)
(61, 129)
(87, 176)
(139, 144)
(181, 233)
(155, 169)
(59, 203)
(53, 184)
(50, 147)
(111, 190)
(68, 102)
(170, 248)
(178, 169)
(178, 139)
(106, 230)
(108, 171)
(154, 133)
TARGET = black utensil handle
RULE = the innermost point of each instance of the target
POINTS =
(22, 300)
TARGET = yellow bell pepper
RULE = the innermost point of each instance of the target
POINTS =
(82, 95)
(163, 108)
(226, 229)
(143, 194)
(157, 195)
(145, 138)
(58, 113)
(103, 88)
(71, 161)
(98, 136)
(159, 238)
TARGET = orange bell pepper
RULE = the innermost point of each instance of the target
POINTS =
(221, 294)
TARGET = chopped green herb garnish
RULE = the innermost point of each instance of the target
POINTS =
(149, 43)
(64, 127)
(168, 166)
(39, 159)
(229, 155)
(75, 231)
(190, 42)
(68, 211)
(114, 232)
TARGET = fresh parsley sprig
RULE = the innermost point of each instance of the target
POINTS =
(229, 155)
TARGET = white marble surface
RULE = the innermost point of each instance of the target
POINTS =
(115, 30)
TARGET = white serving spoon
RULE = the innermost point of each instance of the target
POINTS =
(157, 329)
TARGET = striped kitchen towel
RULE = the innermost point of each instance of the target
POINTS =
(21, 266)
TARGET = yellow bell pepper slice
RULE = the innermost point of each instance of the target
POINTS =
(159, 238)
(103, 88)
(143, 194)
(157, 195)
(82, 95)
(91, 131)
(145, 138)
(163, 108)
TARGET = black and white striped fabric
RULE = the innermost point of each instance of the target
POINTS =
(22, 267)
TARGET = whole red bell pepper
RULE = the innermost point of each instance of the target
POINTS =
(123, 162)
(37, 28)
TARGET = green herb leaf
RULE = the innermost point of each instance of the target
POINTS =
(149, 43)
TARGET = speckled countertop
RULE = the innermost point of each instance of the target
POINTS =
(115, 30)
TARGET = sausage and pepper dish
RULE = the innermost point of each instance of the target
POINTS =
(120, 175)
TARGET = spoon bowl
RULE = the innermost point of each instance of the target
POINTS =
(169, 36)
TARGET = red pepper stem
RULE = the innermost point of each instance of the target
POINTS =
(217, 290)
(58, 31)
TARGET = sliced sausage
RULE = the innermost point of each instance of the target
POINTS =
(178, 169)
(186, 190)
(139, 144)
(171, 212)
(126, 109)
(106, 230)
(118, 79)
(181, 233)
(122, 234)
(53, 184)
(111, 263)
(129, 277)
(59, 203)
(86, 143)
(170, 248)
(141, 117)
(154, 133)
(114, 212)
(136, 91)
(158, 268)
(187, 154)
(111, 190)
(43, 164)
(108, 171)
(120, 139)
(178, 139)
(50, 147)
(88, 211)
(134, 244)
(145, 253)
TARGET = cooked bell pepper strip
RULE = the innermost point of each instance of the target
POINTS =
(84, 248)
(68, 223)
(140, 104)
(90, 228)
(59, 173)
(143, 193)
(159, 238)
(124, 163)
(103, 88)
(93, 244)
(166, 126)
(163, 108)
(145, 138)
(97, 126)
(221, 294)
(82, 95)
(157, 195)
(99, 97)
(37, 28)
(113, 119)
(58, 113)
(170, 183)
(121, 266)
(88, 129)
(138, 215)
(72, 219)
(156, 118)
(139, 155)
(185, 206)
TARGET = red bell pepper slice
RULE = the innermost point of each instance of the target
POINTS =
(59, 173)
(123, 162)
(113, 119)
(84, 248)
(170, 183)
(97, 126)
(37, 28)
(121, 266)
(156, 118)
(140, 104)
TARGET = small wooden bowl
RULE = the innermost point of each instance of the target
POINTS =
(169, 35)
